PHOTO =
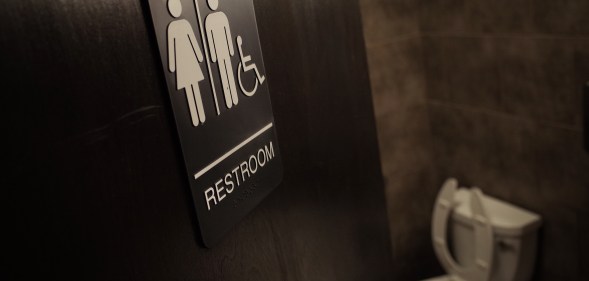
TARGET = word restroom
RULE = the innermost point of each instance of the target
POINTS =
(226, 185)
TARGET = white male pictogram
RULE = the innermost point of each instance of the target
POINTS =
(221, 50)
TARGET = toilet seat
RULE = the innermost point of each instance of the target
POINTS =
(481, 271)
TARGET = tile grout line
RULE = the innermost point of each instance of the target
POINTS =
(537, 36)
(504, 115)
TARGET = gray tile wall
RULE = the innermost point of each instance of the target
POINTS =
(394, 48)
(504, 82)
(489, 92)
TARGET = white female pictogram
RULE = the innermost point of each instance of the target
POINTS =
(184, 56)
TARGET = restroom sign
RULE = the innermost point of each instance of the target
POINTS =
(212, 61)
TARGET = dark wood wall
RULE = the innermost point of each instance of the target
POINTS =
(95, 187)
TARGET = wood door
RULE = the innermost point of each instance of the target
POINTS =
(95, 186)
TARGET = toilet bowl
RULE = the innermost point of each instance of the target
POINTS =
(480, 238)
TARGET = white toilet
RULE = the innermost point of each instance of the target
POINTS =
(480, 238)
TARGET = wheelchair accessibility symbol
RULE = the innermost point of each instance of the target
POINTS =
(245, 66)
(185, 56)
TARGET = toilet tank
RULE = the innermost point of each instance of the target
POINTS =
(515, 237)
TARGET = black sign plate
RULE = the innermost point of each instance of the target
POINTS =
(217, 83)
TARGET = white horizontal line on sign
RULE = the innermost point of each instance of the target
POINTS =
(238, 147)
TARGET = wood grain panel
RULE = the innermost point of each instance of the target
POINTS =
(96, 186)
